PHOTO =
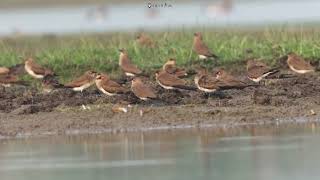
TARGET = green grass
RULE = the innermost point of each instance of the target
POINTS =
(70, 56)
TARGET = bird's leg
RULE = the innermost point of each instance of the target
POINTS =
(205, 95)
(208, 95)
(82, 97)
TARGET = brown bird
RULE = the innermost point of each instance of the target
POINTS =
(257, 70)
(170, 67)
(7, 80)
(36, 70)
(169, 81)
(201, 48)
(229, 80)
(83, 82)
(141, 90)
(4, 70)
(298, 64)
(206, 82)
(126, 65)
(144, 40)
(107, 86)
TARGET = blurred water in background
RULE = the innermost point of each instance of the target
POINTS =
(154, 15)
(277, 153)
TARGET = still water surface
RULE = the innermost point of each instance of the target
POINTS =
(248, 153)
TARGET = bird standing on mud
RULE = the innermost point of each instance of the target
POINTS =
(171, 68)
(257, 70)
(107, 86)
(169, 81)
(83, 82)
(141, 90)
(126, 65)
(298, 64)
(201, 48)
(35, 70)
(230, 82)
(206, 82)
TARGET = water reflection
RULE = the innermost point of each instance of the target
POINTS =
(245, 153)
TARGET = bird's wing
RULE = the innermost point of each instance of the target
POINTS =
(170, 69)
(78, 82)
(112, 87)
(301, 64)
(171, 80)
(210, 82)
(180, 72)
(258, 70)
(129, 67)
(204, 50)
(144, 91)
(38, 69)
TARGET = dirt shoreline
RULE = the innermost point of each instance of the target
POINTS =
(102, 120)
(26, 112)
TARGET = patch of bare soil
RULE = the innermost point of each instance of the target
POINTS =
(26, 111)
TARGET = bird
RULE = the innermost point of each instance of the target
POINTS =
(126, 65)
(201, 48)
(83, 82)
(298, 64)
(144, 40)
(4, 70)
(50, 83)
(141, 90)
(169, 81)
(206, 82)
(108, 86)
(230, 81)
(7, 80)
(257, 70)
(170, 67)
(36, 70)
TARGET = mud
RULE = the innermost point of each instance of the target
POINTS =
(25, 111)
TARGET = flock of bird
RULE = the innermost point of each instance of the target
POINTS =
(169, 77)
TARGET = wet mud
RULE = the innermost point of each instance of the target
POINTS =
(23, 110)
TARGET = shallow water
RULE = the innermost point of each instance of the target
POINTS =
(288, 152)
(136, 16)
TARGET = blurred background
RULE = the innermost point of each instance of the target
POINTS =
(78, 16)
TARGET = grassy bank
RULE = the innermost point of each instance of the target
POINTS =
(71, 55)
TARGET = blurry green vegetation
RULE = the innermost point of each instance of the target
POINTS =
(71, 55)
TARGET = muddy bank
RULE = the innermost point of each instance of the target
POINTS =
(25, 111)
(102, 119)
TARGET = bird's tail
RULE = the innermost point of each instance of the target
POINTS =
(273, 71)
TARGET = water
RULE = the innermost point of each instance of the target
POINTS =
(132, 17)
(248, 153)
